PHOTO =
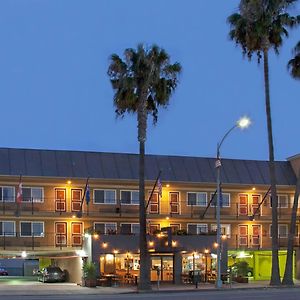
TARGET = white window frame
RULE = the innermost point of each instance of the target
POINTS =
(286, 198)
(61, 235)
(287, 230)
(197, 198)
(32, 222)
(213, 227)
(229, 199)
(14, 193)
(131, 191)
(105, 225)
(34, 200)
(198, 225)
(105, 197)
(8, 235)
(131, 231)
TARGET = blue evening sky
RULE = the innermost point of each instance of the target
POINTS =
(55, 93)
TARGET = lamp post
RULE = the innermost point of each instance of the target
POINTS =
(241, 123)
(206, 251)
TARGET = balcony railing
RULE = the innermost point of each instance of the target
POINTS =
(40, 241)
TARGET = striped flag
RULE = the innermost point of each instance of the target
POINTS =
(159, 185)
(20, 192)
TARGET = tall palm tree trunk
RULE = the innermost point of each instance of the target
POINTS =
(275, 277)
(144, 280)
(288, 272)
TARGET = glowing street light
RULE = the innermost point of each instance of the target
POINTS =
(242, 123)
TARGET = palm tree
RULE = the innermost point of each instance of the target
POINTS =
(294, 63)
(142, 82)
(288, 272)
(260, 26)
(294, 68)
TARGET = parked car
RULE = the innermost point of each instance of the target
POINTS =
(51, 274)
(3, 272)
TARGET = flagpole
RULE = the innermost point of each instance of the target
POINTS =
(19, 196)
(79, 213)
(153, 189)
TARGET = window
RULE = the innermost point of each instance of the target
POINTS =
(154, 204)
(175, 227)
(7, 194)
(199, 199)
(105, 228)
(76, 228)
(32, 229)
(225, 200)
(60, 200)
(34, 194)
(282, 201)
(130, 228)
(105, 196)
(225, 229)
(61, 233)
(7, 228)
(197, 228)
(130, 197)
(282, 230)
(154, 228)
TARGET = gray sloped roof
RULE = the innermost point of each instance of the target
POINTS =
(100, 165)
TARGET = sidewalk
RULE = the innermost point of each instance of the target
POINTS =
(69, 288)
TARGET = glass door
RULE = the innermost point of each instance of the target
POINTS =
(162, 268)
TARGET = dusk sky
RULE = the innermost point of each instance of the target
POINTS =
(56, 94)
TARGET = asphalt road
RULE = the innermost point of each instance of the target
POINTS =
(262, 294)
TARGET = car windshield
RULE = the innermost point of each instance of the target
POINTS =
(54, 269)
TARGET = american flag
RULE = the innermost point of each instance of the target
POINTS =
(159, 185)
(20, 192)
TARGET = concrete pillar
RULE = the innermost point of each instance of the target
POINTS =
(177, 268)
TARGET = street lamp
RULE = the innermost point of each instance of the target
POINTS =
(242, 123)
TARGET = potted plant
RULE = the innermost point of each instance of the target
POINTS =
(89, 274)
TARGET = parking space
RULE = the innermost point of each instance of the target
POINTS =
(26, 280)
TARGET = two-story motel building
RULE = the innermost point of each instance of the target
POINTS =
(46, 226)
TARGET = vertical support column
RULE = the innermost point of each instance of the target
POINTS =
(177, 268)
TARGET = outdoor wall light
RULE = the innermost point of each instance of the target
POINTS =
(95, 236)
(151, 243)
(104, 245)
(24, 254)
(224, 237)
(174, 243)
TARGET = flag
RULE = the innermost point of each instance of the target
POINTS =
(20, 192)
(159, 185)
(87, 194)
(218, 163)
